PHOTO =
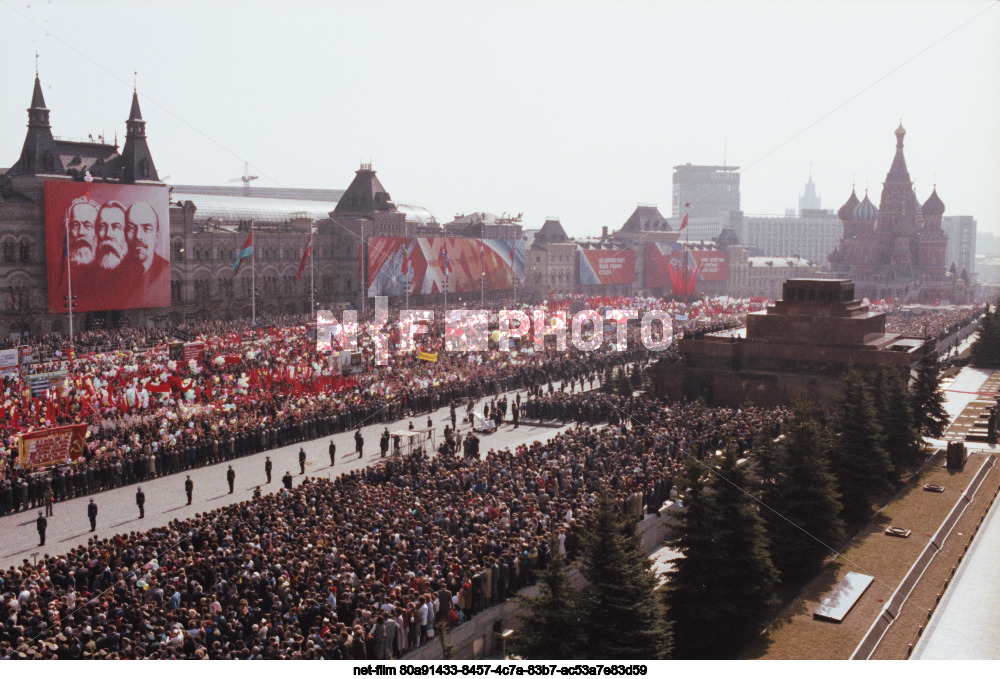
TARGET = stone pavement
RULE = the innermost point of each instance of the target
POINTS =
(166, 501)
(966, 624)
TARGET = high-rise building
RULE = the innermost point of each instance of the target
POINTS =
(813, 235)
(705, 190)
(809, 200)
(961, 251)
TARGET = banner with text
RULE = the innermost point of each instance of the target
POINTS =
(607, 267)
(678, 269)
(52, 446)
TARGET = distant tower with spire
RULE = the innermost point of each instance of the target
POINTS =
(809, 200)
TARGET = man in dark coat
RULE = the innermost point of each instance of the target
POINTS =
(302, 460)
(189, 488)
(268, 466)
(140, 501)
(287, 480)
(359, 443)
(230, 478)
(333, 453)
(92, 514)
(41, 524)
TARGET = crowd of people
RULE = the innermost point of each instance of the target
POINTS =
(149, 415)
(361, 567)
(936, 322)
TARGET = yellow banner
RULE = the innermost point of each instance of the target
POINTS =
(425, 356)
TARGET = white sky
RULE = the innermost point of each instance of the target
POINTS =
(571, 109)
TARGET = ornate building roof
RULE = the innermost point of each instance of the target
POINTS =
(365, 194)
(865, 210)
(933, 207)
(846, 210)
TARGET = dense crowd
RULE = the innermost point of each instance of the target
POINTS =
(936, 322)
(361, 567)
(149, 415)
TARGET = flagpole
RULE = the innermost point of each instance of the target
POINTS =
(406, 227)
(69, 290)
(363, 271)
(446, 265)
(253, 275)
(312, 278)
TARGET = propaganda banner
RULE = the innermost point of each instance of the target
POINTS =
(679, 269)
(713, 265)
(52, 446)
(110, 242)
(426, 265)
(607, 267)
(193, 350)
(10, 362)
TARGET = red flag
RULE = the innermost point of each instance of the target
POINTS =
(684, 223)
(306, 254)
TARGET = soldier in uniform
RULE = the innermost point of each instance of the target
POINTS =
(268, 466)
(140, 501)
(41, 524)
(92, 514)
(333, 453)
(189, 487)
(230, 478)
(302, 460)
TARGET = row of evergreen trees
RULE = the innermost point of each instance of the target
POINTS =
(623, 381)
(986, 348)
(620, 615)
(749, 525)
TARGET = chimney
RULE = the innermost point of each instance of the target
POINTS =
(604, 233)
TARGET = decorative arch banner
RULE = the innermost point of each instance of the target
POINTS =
(110, 243)
(607, 267)
(426, 265)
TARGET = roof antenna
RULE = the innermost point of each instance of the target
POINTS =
(36, 63)
(135, 79)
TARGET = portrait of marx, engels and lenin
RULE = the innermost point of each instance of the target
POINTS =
(110, 245)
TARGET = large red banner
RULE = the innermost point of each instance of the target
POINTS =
(110, 243)
(607, 267)
(678, 268)
(52, 446)
(713, 265)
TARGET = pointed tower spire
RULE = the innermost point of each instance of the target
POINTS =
(137, 161)
(39, 154)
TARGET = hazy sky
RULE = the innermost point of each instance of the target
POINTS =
(571, 109)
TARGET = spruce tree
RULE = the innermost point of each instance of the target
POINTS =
(551, 630)
(621, 615)
(860, 463)
(902, 437)
(803, 515)
(929, 415)
(986, 348)
(722, 590)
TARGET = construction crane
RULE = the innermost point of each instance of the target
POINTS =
(246, 178)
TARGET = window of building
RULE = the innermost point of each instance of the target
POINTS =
(25, 249)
